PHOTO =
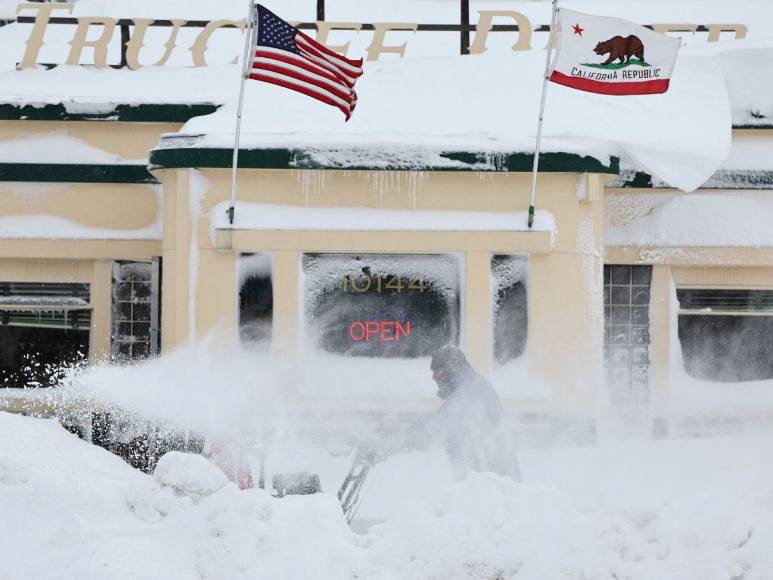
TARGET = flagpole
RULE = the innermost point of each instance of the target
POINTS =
(246, 63)
(535, 167)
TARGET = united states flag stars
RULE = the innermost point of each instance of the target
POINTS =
(285, 56)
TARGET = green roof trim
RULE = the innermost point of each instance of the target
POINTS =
(768, 126)
(202, 157)
(159, 113)
(78, 173)
(722, 179)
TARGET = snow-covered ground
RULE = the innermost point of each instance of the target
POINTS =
(691, 509)
(624, 507)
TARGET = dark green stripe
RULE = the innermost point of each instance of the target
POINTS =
(124, 113)
(722, 179)
(760, 126)
(303, 159)
(55, 172)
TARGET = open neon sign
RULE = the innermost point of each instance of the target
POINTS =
(379, 330)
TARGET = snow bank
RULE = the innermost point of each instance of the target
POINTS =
(189, 474)
(688, 509)
(721, 219)
(74, 511)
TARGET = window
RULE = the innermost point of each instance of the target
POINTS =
(382, 305)
(627, 332)
(136, 309)
(726, 335)
(43, 326)
(256, 300)
(510, 307)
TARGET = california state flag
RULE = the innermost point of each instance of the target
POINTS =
(612, 56)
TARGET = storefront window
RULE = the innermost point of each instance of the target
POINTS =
(43, 328)
(256, 301)
(391, 306)
(508, 275)
(726, 335)
(136, 314)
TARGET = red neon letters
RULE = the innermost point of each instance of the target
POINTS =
(379, 330)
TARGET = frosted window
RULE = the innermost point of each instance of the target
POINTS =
(256, 300)
(726, 335)
(510, 307)
(381, 305)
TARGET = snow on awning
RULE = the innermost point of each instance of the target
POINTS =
(256, 216)
(490, 103)
(717, 219)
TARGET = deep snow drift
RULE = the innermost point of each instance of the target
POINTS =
(687, 509)
(624, 508)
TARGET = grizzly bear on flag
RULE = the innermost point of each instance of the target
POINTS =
(621, 49)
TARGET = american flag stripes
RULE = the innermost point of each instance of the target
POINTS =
(285, 56)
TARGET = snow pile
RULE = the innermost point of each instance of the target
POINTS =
(691, 509)
(749, 91)
(676, 136)
(72, 510)
(695, 220)
(189, 474)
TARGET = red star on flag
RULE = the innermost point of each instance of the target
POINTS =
(577, 29)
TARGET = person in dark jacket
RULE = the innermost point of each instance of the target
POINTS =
(471, 418)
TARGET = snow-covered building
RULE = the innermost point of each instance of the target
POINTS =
(358, 248)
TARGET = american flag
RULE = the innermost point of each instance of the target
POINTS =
(285, 56)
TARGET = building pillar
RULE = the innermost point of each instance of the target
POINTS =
(176, 254)
(217, 295)
(565, 345)
(478, 314)
(101, 313)
(286, 282)
(662, 317)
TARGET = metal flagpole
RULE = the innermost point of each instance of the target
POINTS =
(541, 113)
(252, 26)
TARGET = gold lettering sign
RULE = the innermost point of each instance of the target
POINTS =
(138, 37)
(377, 47)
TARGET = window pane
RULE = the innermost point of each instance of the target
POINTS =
(727, 348)
(381, 305)
(256, 300)
(510, 307)
(35, 344)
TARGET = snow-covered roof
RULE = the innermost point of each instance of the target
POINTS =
(488, 103)
(715, 219)
(475, 104)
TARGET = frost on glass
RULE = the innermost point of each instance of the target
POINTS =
(508, 275)
(726, 334)
(392, 306)
(256, 300)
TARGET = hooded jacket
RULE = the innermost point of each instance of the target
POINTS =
(471, 423)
